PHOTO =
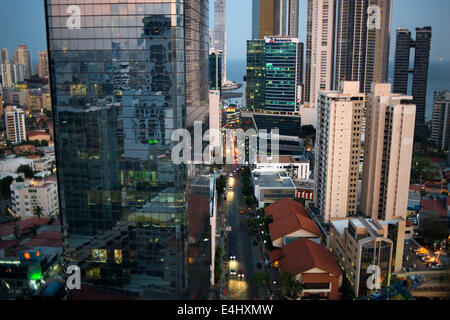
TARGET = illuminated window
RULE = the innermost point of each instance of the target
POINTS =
(118, 256)
(99, 255)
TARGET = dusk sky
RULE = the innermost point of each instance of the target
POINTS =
(22, 22)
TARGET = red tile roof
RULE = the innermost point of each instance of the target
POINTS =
(285, 207)
(303, 255)
(25, 225)
(431, 205)
(289, 216)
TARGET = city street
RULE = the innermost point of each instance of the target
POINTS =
(240, 244)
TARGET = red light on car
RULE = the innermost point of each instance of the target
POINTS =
(38, 253)
(27, 256)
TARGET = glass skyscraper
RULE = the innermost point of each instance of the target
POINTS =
(256, 69)
(284, 74)
(121, 84)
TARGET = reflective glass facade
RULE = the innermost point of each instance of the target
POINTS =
(121, 84)
(256, 68)
(284, 61)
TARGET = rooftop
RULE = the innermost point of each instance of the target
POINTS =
(273, 179)
(303, 255)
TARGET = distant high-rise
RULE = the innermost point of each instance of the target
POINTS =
(4, 56)
(22, 56)
(43, 64)
(275, 18)
(440, 127)
(220, 35)
(256, 75)
(286, 18)
(117, 98)
(422, 46)
(15, 124)
(7, 69)
(215, 69)
(283, 75)
(19, 72)
(263, 15)
(362, 52)
(387, 154)
(338, 146)
(320, 36)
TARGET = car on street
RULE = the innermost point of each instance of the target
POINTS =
(242, 212)
(230, 188)
(233, 272)
(436, 267)
(241, 274)
(232, 257)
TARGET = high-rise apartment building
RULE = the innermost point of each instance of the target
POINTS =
(320, 29)
(283, 75)
(422, 46)
(220, 34)
(440, 127)
(256, 75)
(387, 154)
(7, 69)
(19, 72)
(43, 64)
(22, 56)
(338, 144)
(15, 124)
(118, 94)
(362, 47)
(4, 55)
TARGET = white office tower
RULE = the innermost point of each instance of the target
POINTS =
(220, 35)
(387, 153)
(338, 144)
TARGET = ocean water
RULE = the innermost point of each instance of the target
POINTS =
(438, 78)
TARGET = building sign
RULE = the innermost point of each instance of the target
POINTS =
(304, 194)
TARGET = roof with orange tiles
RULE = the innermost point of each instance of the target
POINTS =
(303, 255)
(285, 207)
(289, 216)
(431, 205)
(25, 225)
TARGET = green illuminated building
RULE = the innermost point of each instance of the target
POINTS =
(256, 66)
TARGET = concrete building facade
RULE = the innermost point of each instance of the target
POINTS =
(15, 124)
(388, 152)
(338, 144)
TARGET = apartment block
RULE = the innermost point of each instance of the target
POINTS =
(387, 154)
(338, 144)
(15, 124)
(33, 193)
(440, 127)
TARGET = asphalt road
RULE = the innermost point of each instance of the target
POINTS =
(240, 244)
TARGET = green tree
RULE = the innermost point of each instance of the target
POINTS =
(289, 285)
(38, 212)
(433, 229)
(261, 279)
(44, 143)
(26, 170)
(221, 183)
(307, 131)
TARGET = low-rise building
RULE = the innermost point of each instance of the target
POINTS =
(38, 135)
(358, 243)
(313, 266)
(290, 223)
(10, 164)
(297, 167)
(271, 186)
(33, 193)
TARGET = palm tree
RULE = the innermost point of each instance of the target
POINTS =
(289, 285)
(38, 212)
